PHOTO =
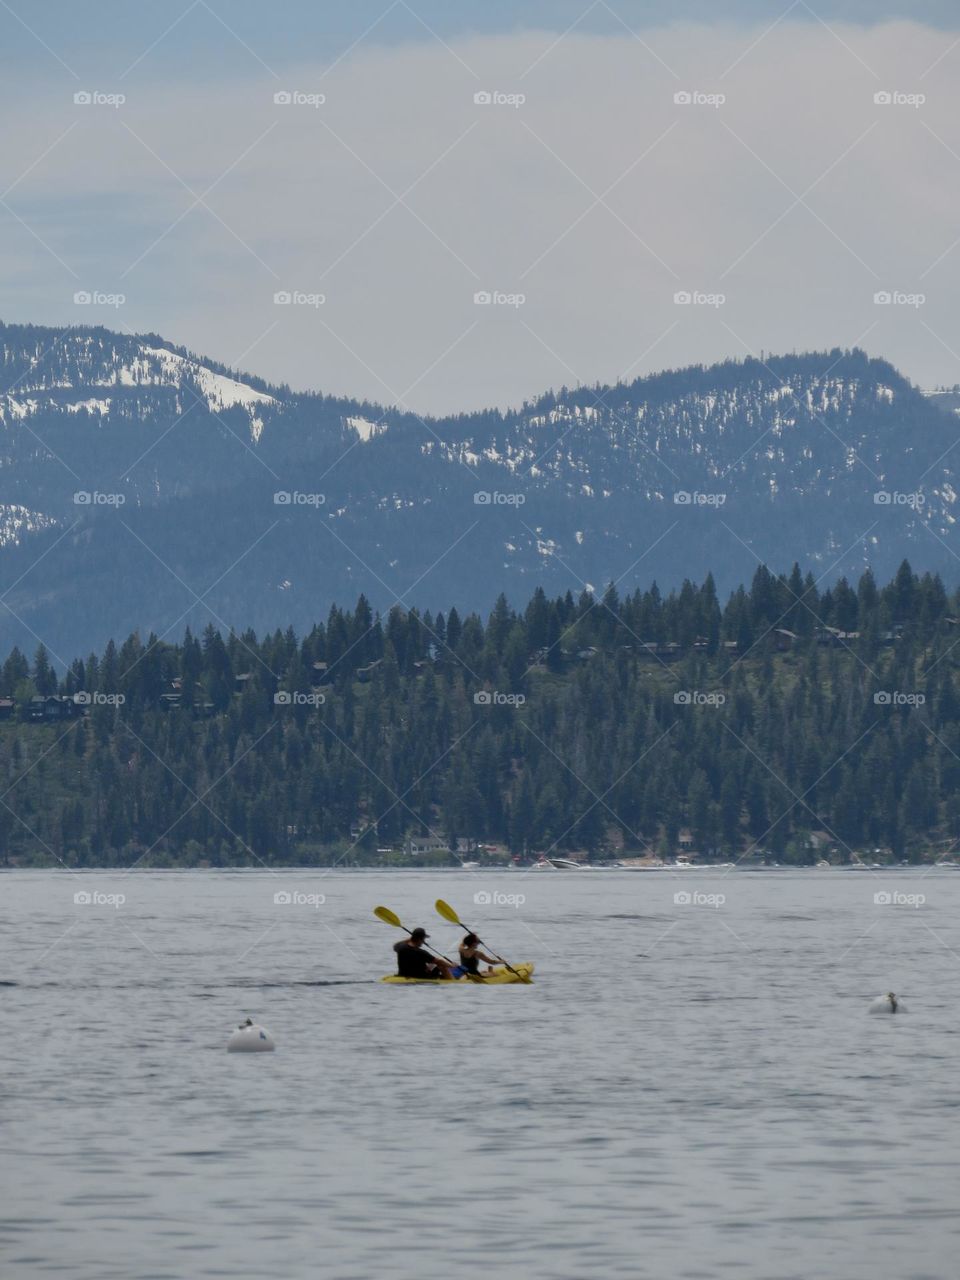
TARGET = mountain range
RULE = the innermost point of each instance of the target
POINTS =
(144, 486)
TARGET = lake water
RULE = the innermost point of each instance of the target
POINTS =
(690, 1089)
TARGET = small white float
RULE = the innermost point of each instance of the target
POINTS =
(887, 1004)
(250, 1038)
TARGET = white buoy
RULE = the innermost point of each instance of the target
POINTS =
(887, 1004)
(250, 1038)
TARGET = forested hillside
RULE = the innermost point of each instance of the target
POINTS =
(788, 722)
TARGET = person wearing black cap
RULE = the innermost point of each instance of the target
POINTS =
(414, 962)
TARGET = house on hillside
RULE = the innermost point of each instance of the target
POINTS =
(172, 700)
(51, 708)
(424, 844)
(834, 638)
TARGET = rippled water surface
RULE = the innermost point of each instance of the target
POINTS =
(687, 1090)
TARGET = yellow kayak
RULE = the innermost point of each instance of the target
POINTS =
(500, 976)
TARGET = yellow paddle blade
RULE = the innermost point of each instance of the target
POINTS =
(387, 916)
(444, 909)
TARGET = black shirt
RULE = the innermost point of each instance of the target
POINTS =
(413, 962)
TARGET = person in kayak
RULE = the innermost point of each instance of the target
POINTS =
(414, 962)
(471, 955)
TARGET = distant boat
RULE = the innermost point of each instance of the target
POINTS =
(558, 864)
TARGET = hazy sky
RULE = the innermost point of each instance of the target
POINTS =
(783, 197)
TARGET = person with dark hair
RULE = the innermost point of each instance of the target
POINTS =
(414, 962)
(471, 955)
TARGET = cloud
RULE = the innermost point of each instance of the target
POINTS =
(596, 200)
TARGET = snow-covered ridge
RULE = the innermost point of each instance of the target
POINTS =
(220, 391)
(757, 425)
(150, 367)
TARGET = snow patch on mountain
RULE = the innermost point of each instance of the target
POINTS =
(89, 406)
(366, 429)
(12, 409)
(16, 521)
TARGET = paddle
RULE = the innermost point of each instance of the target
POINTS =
(391, 917)
(444, 909)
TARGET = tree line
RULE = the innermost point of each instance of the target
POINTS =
(789, 722)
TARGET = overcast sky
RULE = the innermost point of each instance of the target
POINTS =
(783, 197)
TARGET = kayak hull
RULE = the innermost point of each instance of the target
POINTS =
(500, 977)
